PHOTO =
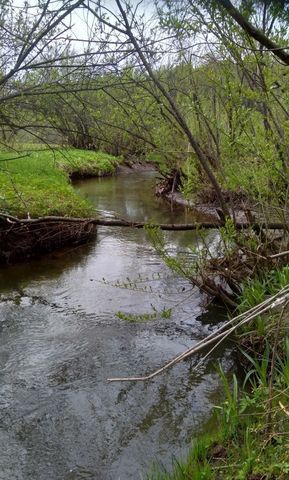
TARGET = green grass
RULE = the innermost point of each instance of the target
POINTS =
(85, 163)
(241, 450)
(243, 445)
(37, 181)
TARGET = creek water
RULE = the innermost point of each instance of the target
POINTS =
(60, 339)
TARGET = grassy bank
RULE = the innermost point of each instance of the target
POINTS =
(252, 436)
(37, 182)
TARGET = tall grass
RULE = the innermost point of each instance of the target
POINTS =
(251, 440)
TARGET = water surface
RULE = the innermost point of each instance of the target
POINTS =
(61, 339)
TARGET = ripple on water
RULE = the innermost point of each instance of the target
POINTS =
(60, 340)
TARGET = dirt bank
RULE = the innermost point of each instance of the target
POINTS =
(20, 240)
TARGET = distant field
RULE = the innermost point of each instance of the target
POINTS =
(36, 181)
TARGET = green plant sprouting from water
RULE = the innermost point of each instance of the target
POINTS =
(175, 263)
(228, 235)
(142, 284)
(144, 317)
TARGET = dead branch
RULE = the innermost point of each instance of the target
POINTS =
(219, 335)
(281, 254)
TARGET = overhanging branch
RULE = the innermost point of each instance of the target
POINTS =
(254, 32)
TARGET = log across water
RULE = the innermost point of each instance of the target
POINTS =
(23, 238)
(119, 222)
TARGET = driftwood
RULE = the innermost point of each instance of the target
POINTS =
(189, 226)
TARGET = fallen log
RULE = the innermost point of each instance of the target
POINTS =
(189, 226)
(21, 238)
(119, 222)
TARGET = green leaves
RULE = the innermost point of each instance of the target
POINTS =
(145, 317)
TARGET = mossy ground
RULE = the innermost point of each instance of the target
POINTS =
(35, 181)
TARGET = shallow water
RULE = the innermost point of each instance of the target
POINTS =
(60, 340)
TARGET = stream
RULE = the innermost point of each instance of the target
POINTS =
(61, 338)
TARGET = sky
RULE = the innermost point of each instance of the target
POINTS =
(83, 21)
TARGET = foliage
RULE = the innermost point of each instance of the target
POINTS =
(135, 318)
(175, 262)
(84, 163)
(194, 86)
(232, 95)
(256, 289)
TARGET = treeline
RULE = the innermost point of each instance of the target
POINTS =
(197, 95)
(241, 127)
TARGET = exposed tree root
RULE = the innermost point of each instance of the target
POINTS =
(21, 239)
(221, 277)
